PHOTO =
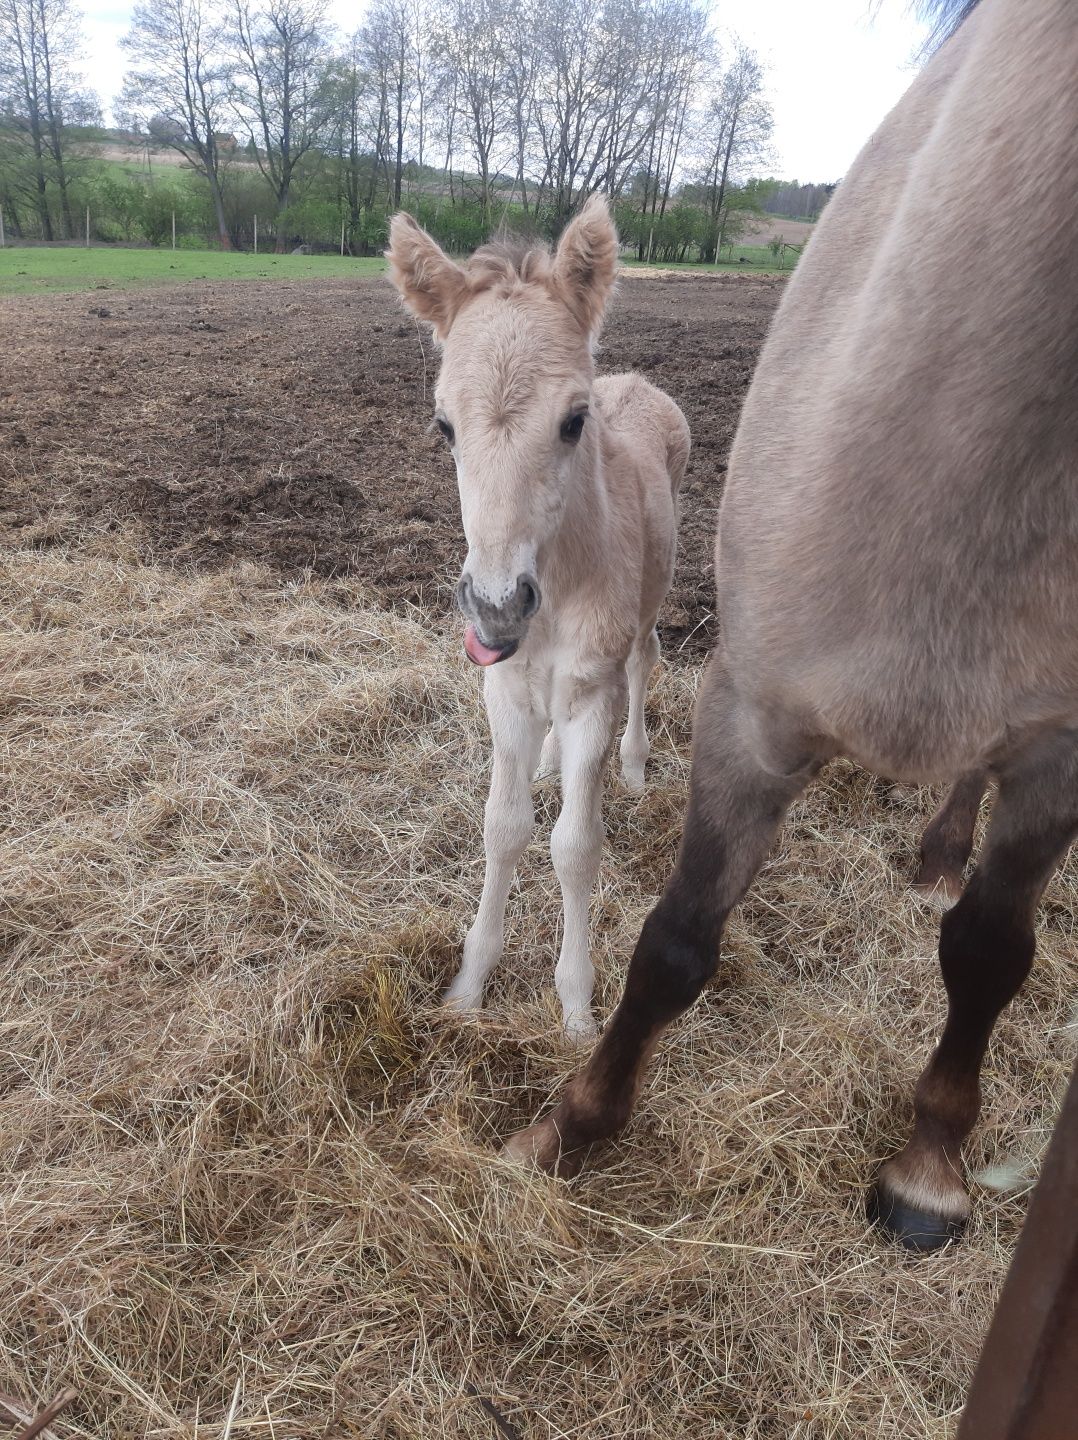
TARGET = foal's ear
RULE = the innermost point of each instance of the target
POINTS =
(586, 263)
(431, 285)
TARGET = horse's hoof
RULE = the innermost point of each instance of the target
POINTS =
(938, 888)
(541, 1145)
(918, 1230)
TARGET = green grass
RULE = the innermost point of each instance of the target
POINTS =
(39, 270)
(759, 260)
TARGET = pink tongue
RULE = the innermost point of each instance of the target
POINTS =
(476, 651)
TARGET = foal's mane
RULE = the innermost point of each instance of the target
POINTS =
(508, 259)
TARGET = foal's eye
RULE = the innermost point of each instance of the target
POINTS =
(572, 426)
(445, 427)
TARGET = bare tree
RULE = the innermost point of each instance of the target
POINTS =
(571, 101)
(474, 50)
(41, 94)
(22, 73)
(735, 129)
(387, 42)
(281, 90)
(521, 64)
(424, 71)
(444, 115)
(349, 88)
(630, 65)
(566, 96)
(179, 85)
(684, 51)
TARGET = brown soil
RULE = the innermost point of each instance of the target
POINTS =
(288, 423)
(794, 232)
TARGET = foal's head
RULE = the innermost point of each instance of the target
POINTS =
(516, 329)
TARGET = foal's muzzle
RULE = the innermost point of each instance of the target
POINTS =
(496, 631)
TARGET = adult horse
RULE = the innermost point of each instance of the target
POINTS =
(898, 565)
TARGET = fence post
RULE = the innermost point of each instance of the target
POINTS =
(173, 229)
(342, 239)
(256, 234)
(1, 227)
(87, 227)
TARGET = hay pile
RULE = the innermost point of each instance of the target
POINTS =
(251, 1185)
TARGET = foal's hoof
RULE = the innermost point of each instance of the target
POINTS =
(580, 1028)
(633, 781)
(918, 1230)
(462, 999)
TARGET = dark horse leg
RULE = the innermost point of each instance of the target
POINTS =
(736, 806)
(948, 839)
(986, 951)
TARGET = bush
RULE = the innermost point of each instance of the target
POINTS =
(159, 203)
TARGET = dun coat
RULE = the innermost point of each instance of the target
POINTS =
(898, 567)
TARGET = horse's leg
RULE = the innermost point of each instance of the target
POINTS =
(986, 950)
(735, 809)
(635, 747)
(508, 822)
(948, 839)
(576, 842)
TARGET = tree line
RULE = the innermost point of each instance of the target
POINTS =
(468, 111)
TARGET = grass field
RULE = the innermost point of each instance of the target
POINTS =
(757, 259)
(38, 269)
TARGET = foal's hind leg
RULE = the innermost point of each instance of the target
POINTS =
(635, 747)
(986, 950)
(948, 840)
(550, 755)
(735, 809)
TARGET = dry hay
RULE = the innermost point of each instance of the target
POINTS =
(251, 1183)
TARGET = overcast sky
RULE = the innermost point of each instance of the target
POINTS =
(834, 68)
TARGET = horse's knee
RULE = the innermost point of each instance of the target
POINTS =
(673, 961)
(986, 950)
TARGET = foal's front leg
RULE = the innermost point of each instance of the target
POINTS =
(517, 733)
(576, 843)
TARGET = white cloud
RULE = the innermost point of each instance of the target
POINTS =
(834, 69)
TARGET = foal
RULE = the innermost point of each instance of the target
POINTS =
(568, 487)
(898, 569)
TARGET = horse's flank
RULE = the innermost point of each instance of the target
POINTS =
(897, 539)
